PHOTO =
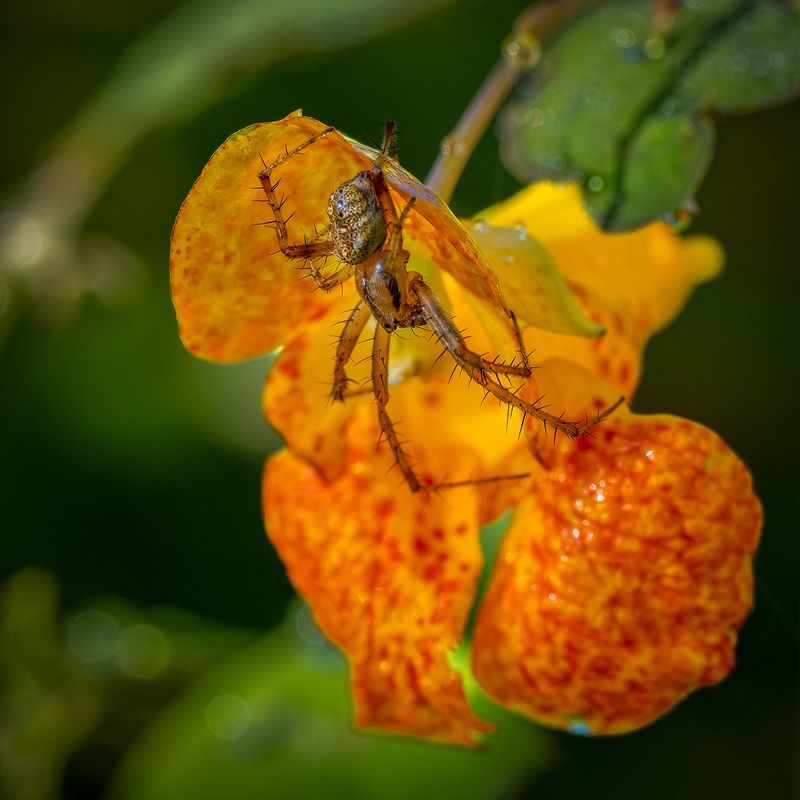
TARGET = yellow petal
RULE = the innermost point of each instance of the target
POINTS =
(297, 401)
(647, 274)
(529, 277)
(623, 578)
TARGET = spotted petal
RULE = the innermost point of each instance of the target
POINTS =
(623, 578)
(235, 294)
(389, 577)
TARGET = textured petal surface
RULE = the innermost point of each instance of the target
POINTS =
(647, 274)
(390, 578)
(235, 296)
(623, 578)
(631, 284)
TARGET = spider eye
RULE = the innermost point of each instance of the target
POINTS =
(387, 326)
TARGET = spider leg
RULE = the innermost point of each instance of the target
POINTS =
(306, 250)
(353, 326)
(480, 370)
(449, 335)
(523, 353)
(389, 146)
(309, 251)
(380, 387)
(302, 146)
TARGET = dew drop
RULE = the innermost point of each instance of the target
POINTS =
(623, 37)
(578, 727)
(93, 636)
(307, 628)
(534, 117)
(595, 183)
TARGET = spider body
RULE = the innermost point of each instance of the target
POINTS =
(364, 232)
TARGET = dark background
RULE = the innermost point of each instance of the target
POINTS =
(128, 468)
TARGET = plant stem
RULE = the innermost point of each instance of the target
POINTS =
(520, 52)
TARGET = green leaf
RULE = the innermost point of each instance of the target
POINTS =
(273, 721)
(625, 109)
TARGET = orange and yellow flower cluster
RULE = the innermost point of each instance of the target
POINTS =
(626, 570)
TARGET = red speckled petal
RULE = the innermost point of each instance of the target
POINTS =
(390, 578)
(235, 296)
(623, 578)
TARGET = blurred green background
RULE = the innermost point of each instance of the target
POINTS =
(158, 652)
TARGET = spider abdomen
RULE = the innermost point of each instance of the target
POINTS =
(357, 221)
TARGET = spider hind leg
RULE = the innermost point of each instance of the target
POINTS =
(482, 371)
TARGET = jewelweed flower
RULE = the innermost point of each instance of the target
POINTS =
(626, 569)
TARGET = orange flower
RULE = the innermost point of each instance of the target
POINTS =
(626, 570)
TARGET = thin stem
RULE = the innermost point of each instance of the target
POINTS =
(521, 51)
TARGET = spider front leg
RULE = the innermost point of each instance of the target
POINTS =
(309, 251)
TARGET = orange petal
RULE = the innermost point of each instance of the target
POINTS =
(296, 397)
(390, 578)
(235, 296)
(452, 435)
(615, 357)
(623, 578)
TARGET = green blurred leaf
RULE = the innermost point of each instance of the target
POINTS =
(624, 108)
(206, 47)
(109, 668)
(272, 721)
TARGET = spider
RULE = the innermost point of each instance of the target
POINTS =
(364, 233)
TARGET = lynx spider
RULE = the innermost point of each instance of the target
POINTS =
(365, 234)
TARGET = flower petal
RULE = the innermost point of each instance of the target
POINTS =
(623, 578)
(527, 274)
(390, 578)
(630, 284)
(235, 296)
(297, 402)
(646, 274)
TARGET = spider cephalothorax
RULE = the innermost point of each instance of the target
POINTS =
(365, 234)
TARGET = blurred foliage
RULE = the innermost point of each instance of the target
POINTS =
(102, 674)
(131, 470)
(626, 99)
(276, 715)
